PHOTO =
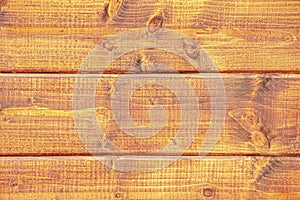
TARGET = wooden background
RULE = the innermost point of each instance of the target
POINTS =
(255, 46)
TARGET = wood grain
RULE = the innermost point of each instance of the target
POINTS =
(262, 114)
(193, 14)
(255, 46)
(187, 178)
(65, 49)
(56, 36)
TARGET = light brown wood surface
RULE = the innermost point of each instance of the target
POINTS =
(255, 46)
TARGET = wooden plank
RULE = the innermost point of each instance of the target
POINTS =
(56, 36)
(262, 114)
(256, 155)
(186, 178)
(211, 14)
(65, 49)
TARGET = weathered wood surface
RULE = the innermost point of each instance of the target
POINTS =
(64, 50)
(56, 36)
(262, 114)
(41, 154)
(187, 178)
(135, 13)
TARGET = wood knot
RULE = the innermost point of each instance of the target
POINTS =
(155, 22)
(13, 183)
(104, 14)
(7, 118)
(259, 139)
(110, 10)
(113, 7)
(118, 195)
(2, 4)
(267, 85)
(250, 120)
(208, 192)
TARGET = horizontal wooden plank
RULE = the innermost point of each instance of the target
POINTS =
(262, 115)
(56, 36)
(186, 178)
(65, 49)
(209, 14)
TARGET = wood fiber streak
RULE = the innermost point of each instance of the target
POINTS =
(262, 116)
(186, 178)
(56, 36)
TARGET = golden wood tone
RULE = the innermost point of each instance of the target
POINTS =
(37, 117)
(223, 177)
(255, 46)
(63, 50)
(56, 36)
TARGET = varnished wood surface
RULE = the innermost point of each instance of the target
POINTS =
(187, 178)
(262, 115)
